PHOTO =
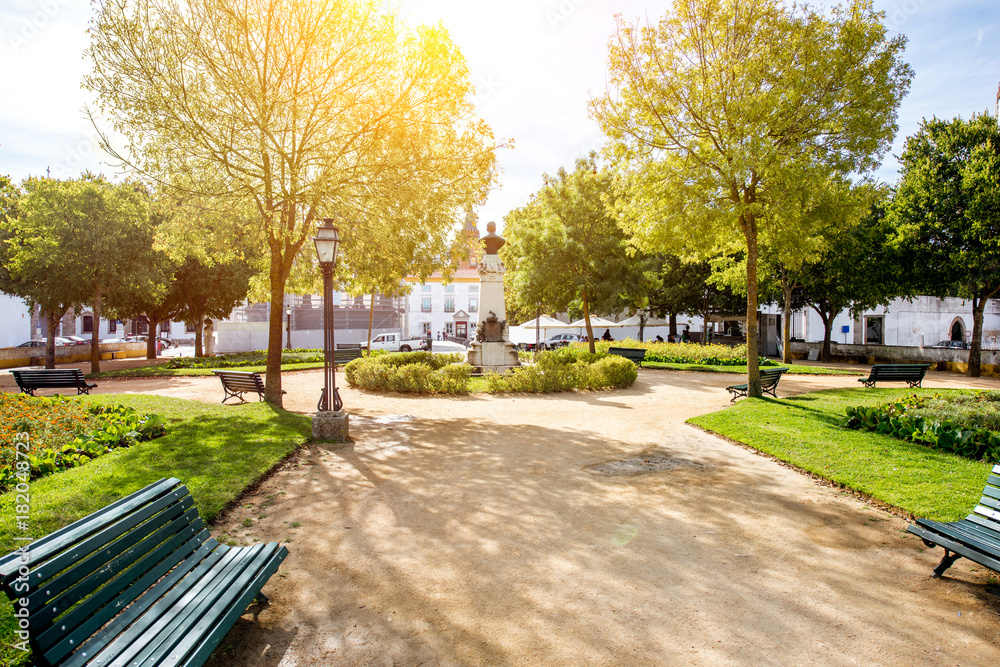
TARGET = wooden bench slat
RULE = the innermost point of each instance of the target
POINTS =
(156, 580)
(769, 378)
(52, 378)
(634, 354)
(43, 548)
(175, 620)
(956, 547)
(912, 374)
(210, 617)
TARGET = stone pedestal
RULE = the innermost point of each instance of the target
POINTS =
(496, 356)
(329, 426)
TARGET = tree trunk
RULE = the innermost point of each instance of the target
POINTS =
(673, 326)
(538, 329)
(50, 341)
(151, 338)
(753, 361)
(642, 324)
(278, 276)
(786, 325)
(199, 342)
(704, 327)
(586, 317)
(976, 349)
(828, 318)
(371, 320)
(95, 337)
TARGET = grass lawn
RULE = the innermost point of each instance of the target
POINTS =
(805, 431)
(216, 450)
(794, 369)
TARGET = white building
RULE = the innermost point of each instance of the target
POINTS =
(445, 309)
(15, 321)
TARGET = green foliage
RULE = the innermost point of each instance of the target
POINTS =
(912, 419)
(683, 353)
(411, 372)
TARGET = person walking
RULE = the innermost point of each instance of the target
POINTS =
(685, 338)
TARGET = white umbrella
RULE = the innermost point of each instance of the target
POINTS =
(596, 323)
(545, 322)
(650, 322)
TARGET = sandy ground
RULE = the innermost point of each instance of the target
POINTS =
(475, 531)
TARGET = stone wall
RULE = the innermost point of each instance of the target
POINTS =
(15, 357)
(942, 359)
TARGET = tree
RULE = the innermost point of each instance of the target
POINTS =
(75, 242)
(859, 271)
(565, 245)
(207, 290)
(305, 110)
(945, 213)
(725, 106)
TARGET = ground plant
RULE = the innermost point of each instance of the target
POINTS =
(964, 424)
(65, 433)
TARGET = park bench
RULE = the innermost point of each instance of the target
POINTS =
(52, 378)
(768, 383)
(633, 354)
(138, 582)
(977, 536)
(237, 383)
(912, 374)
(343, 356)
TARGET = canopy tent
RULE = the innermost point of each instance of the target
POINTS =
(596, 323)
(546, 322)
(650, 322)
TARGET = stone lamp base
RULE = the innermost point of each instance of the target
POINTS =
(329, 426)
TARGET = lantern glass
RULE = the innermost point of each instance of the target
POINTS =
(327, 242)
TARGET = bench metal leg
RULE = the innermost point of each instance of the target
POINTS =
(233, 394)
(260, 602)
(946, 562)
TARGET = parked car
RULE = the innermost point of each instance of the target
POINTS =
(561, 340)
(60, 340)
(78, 340)
(394, 342)
(954, 344)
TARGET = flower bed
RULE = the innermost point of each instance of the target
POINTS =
(64, 433)
(255, 358)
(683, 353)
(960, 423)
(424, 372)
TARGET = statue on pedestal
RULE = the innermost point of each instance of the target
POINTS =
(492, 350)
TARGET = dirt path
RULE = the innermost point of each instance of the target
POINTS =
(470, 531)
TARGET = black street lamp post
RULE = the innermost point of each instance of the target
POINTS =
(288, 328)
(327, 242)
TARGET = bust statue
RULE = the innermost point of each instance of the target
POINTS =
(491, 240)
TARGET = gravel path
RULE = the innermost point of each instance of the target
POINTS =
(485, 531)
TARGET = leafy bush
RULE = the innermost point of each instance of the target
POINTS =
(612, 371)
(419, 372)
(909, 419)
(65, 433)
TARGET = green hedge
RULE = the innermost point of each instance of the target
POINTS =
(424, 372)
(898, 420)
(683, 353)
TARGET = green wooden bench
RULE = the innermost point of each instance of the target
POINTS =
(911, 374)
(343, 356)
(768, 383)
(634, 354)
(138, 582)
(976, 537)
(237, 383)
(52, 378)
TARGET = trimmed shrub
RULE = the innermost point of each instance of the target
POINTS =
(612, 371)
(682, 353)
(413, 372)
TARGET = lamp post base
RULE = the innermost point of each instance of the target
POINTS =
(329, 426)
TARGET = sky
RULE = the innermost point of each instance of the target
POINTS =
(535, 64)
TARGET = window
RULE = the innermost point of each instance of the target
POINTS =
(426, 328)
(449, 288)
(112, 326)
(473, 289)
(449, 305)
(425, 305)
(449, 328)
(874, 333)
(188, 327)
(88, 324)
(473, 305)
(425, 288)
